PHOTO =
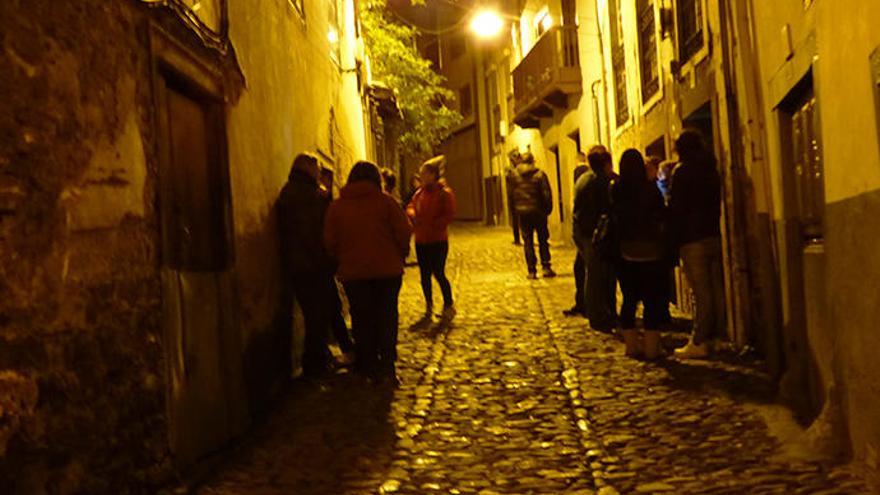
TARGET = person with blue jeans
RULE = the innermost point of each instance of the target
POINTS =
(695, 215)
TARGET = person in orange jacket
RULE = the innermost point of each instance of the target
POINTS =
(431, 210)
(367, 233)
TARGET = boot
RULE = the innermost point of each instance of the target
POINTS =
(652, 345)
(631, 340)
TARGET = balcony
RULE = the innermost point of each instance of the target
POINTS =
(547, 76)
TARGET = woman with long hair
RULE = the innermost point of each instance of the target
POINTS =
(431, 210)
(367, 233)
(639, 213)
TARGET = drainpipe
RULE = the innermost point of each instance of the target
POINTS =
(607, 141)
(597, 120)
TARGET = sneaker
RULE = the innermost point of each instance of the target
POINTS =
(532, 276)
(692, 351)
(549, 273)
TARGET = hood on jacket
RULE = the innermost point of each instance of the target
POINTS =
(526, 169)
(359, 189)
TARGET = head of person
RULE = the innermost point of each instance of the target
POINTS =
(514, 156)
(599, 159)
(528, 158)
(689, 144)
(306, 163)
(430, 171)
(652, 166)
(364, 171)
(632, 167)
(389, 179)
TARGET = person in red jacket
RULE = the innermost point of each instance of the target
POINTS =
(432, 209)
(367, 233)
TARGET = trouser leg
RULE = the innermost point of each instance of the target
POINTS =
(315, 308)
(424, 258)
(528, 240)
(439, 270)
(388, 320)
(579, 279)
(696, 262)
(543, 241)
(363, 325)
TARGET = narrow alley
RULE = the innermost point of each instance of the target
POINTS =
(514, 398)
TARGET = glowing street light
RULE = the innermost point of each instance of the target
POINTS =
(487, 24)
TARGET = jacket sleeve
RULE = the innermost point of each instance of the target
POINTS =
(400, 227)
(677, 206)
(447, 211)
(411, 206)
(331, 235)
(546, 194)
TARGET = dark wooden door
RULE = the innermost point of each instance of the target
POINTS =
(205, 405)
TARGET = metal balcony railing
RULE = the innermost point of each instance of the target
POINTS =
(547, 75)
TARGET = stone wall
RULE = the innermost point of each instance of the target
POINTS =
(80, 349)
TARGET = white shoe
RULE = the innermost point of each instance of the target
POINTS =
(693, 351)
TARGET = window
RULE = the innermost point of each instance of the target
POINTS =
(465, 104)
(690, 28)
(334, 33)
(650, 67)
(802, 132)
(618, 62)
(543, 22)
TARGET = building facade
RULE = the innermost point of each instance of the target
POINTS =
(144, 146)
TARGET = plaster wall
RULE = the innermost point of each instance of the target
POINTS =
(296, 99)
(843, 40)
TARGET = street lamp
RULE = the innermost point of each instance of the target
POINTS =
(487, 24)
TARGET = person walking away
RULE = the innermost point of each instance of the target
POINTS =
(367, 233)
(695, 209)
(533, 202)
(389, 183)
(515, 159)
(592, 199)
(337, 319)
(579, 269)
(302, 206)
(431, 210)
(638, 210)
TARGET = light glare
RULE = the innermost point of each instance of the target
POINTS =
(487, 24)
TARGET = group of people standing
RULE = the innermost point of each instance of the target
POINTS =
(362, 239)
(632, 229)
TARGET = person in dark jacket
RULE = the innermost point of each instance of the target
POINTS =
(367, 233)
(695, 209)
(515, 159)
(638, 210)
(592, 199)
(533, 202)
(431, 210)
(302, 206)
(580, 267)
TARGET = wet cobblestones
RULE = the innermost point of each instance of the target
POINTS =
(514, 398)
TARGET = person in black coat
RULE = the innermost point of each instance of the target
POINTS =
(533, 202)
(639, 213)
(307, 265)
(695, 209)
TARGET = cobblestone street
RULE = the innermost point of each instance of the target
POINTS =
(515, 398)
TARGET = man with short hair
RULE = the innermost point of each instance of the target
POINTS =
(592, 199)
(533, 202)
(579, 269)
